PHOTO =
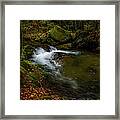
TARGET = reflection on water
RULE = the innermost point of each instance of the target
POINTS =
(82, 67)
(76, 77)
(85, 71)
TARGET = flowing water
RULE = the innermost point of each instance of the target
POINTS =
(46, 58)
(78, 75)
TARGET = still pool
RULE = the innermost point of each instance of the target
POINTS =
(85, 70)
(82, 67)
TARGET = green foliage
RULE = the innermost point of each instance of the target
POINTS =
(83, 35)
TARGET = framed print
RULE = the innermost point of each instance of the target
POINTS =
(60, 59)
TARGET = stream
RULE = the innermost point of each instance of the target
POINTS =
(75, 75)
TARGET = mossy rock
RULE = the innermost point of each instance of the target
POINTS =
(65, 46)
(59, 34)
(30, 72)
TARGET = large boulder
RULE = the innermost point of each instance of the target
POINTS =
(65, 46)
(59, 34)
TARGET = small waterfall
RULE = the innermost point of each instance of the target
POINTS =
(47, 59)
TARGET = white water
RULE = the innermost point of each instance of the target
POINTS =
(46, 58)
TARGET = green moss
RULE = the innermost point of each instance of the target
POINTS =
(65, 46)
(31, 72)
(59, 34)
(76, 35)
